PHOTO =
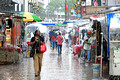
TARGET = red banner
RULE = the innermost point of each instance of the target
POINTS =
(66, 8)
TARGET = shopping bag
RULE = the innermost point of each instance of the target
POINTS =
(43, 48)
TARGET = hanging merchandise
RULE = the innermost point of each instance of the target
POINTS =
(9, 23)
(1, 24)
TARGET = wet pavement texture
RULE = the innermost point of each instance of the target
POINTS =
(54, 67)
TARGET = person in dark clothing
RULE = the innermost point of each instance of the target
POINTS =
(36, 41)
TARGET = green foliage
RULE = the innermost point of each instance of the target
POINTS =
(42, 10)
(55, 4)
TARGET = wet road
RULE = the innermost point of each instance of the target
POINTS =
(64, 67)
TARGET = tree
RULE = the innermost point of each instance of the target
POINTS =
(55, 4)
(42, 10)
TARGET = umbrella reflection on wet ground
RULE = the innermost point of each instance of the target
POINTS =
(55, 67)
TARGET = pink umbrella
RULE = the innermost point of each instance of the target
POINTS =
(61, 29)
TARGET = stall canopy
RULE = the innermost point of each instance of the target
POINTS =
(72, 21)
(45, 23)
(61, 24)
(67, 22)
(83, 22)
(48, 24)
(29, 16)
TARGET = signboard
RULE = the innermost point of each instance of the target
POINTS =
(18, 1)
(83, 3)
(88, 3)
(103, 2)
(78, 16)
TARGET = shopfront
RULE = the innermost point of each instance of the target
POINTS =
(10, 27)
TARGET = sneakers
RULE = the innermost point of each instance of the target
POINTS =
(37, 75)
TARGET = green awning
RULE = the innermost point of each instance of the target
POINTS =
(61, 24)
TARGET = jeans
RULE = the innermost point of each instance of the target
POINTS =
(88, 53)
(69, 43)
(59, 49)
(53, 44)
(56, 44)
(50, 43)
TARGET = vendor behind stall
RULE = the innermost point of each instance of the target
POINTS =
(87, 45)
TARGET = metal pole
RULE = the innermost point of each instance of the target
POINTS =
(57, 15)
(48, 10)
(101, 56)
(68, 13)
(96, 38)
(65, 12)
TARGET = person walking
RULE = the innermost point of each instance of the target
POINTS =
(70, 40)
(66, 39)
(59, 43)
(53, 41)
(87, 45)
(56, 40)
(36, 41)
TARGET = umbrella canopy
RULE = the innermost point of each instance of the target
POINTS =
(52, 33)
(43, 28)
(36, 26)
(55, 29)
(61, 29)
(29, 16)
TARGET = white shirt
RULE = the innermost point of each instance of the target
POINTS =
(87, 46)
(66, 36)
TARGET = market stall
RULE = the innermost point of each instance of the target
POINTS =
(83, 28)
(9, 38)
(114, 45)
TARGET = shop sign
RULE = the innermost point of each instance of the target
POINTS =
(88, 3)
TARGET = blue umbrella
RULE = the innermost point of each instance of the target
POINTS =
(51, 33)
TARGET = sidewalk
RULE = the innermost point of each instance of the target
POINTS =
(64, 67)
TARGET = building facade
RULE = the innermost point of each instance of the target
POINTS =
(33, 6)
(113, 2)
(11, 6)
(85, 7)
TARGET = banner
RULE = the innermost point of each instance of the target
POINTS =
(66, 8)
(88, 2)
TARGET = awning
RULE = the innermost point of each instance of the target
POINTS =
(61, 24)
(67, 22)
(48, 24)
(72, 21)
